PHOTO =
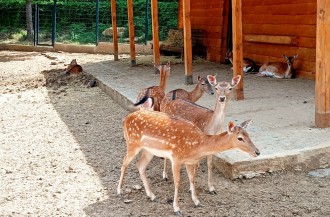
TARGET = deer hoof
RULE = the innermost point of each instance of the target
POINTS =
(199, 205)
(213, 192)
(178, 213)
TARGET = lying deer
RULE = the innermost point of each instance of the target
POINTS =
(278, 69)
(179, 140)
(203, 86)
(210, 122)
(157, 93)
(248, 64)
(73, 68)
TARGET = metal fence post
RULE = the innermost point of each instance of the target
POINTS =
(146, 24)
(54, 23)
(97, 20)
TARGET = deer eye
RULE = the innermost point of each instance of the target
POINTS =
(230, 88)
(240, 139)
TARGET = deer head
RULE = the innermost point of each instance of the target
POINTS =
(223, 89)
(205, 85)
(242, 139)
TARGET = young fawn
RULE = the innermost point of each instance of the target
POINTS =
(210, 122)
(248, 64)
(203, 86)
(178, 140)
(278, 69)
(157, 93)
(73, 68)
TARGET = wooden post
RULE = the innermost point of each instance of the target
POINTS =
(114, 29)
(131, 31)
(155, 36)
(322, 78)
(238, 47)
(187, 42)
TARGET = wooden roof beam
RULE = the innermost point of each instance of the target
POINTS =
(155, 33)
(187, 42)
(322, 77)
(131, 31)
(238, 46)
(114, 29)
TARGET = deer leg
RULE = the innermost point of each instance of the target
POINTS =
(176, 167)
(191, 170)
(131, 153)
(209, 173)
(164, 171)
(142, 164)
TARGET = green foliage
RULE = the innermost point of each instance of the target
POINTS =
(76, 19)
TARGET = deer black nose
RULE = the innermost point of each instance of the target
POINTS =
(222, 99)
(212, 93)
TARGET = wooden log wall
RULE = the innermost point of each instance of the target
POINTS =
(275, 27)
(207, 15)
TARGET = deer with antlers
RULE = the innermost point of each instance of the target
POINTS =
(210, 122)
(278, 69)
(157, 93)
(179, 140)
(203, 86)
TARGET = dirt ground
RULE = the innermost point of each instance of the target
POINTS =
(62, 146)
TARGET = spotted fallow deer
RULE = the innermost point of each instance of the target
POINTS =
(278, 69)
(74, 68)
(179, 140)
(210, 122)
(248, 64)
(157, 93)
(203, 86)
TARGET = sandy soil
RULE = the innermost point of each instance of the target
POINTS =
(61, 149)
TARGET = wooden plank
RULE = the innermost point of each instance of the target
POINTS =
(279, 19)
(284, 9)
(180, 15)
(187, 42)
(114, 29)
(305, 74)
(213, 12)
(274, 2)
(280, 29)
(322, 78)
(206, 21)
(272, 39)
(131, 31)
(238, 47)
(155, 31)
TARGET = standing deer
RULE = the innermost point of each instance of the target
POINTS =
(248, 64)
(157, 93)
(74, 68)
(278, 69)
(203, 86)
(179, 140)
(210, 122)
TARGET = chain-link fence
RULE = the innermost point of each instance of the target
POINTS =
(82, 21)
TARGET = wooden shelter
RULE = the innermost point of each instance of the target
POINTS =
(262, 31)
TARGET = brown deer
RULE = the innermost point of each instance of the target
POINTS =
(157, 93)
(203, 86)
(179, 140)
(74, 68)
(210, 122)
(248, 64)
(278, 69)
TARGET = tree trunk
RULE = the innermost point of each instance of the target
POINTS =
(29, 24)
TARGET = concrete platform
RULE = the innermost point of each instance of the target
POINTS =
(282, 112)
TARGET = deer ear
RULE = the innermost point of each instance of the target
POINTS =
(148, 104)
(199, 78)
(295, 56)
(168, 64)
(235, 80)
(231, 126)
(212, 79)
(245, 124)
